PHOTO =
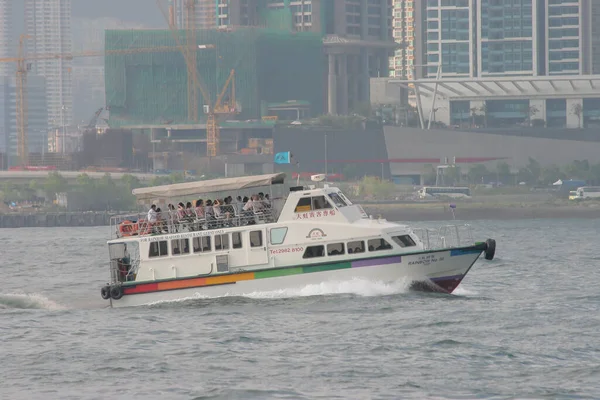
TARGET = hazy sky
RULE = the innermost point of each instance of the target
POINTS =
(142, 11)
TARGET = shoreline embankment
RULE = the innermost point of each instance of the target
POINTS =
(471, 212)
(390, 211)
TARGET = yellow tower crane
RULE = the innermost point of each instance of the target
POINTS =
(189, 50)
(23, 67)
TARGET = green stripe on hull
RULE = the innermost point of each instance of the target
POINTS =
(326, 267)
(278, 272)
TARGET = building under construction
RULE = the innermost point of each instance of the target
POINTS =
(271, 67)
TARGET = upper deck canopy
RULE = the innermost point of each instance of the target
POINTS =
(179, 190)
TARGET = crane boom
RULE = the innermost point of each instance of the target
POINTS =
(189, 52)
(23, 63)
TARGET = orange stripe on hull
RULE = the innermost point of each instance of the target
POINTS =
(182, 284)
(218, 280)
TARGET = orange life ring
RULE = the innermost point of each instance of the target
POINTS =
(128, 228)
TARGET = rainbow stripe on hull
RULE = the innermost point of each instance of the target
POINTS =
(232, 278)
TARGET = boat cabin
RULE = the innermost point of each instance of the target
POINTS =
(276, 227)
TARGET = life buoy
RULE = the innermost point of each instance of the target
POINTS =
(105, 292)
(128, 228)
(116, 292)
(490, 249)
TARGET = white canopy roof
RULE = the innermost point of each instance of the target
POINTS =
(509, 87)
(178, 190)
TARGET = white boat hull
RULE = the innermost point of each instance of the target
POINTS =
(444, 268)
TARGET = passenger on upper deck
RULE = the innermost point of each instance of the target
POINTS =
(152, 214)
(208, 209)
(199, 208)
(160, 225)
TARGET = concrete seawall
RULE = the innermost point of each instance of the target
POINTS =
(40, 220)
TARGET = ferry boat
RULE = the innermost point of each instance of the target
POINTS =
(302, 235)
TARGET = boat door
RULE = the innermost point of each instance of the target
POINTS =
(257, 249)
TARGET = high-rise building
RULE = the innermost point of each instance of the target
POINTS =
(6, 35)
(357, 36)
(48, 23)
(449, 32)
(468, 38)
(404, 33)
(37, 117)
(505, 38)
(594, 46)
(569, 36)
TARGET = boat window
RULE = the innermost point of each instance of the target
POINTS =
(335, 249)
(201, 244)
(158, 249)
(303, 205)
(180, 246)
(314, 251)
(337, 200)
(236, 240)
(404, 241)
(222, 242)
(256, 239)
(356, 247)
(379, 244)
(320, 203)
(278, 235)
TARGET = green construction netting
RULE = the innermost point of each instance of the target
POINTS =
(270, 65)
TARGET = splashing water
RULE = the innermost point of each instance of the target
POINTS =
(27, 301)
(356, 286)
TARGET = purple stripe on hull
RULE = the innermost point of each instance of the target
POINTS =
(448, 283)
(376, 261)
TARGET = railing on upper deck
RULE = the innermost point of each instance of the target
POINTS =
(173, 222)
(447, 236)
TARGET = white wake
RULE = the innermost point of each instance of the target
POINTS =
(27, 301)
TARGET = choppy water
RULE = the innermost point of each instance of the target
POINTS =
(526, 325)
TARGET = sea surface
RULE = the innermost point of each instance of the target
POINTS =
(525, 325)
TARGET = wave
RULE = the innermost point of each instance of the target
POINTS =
(33, 301)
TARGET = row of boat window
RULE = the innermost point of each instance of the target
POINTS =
(223, 242)
(336, 249)
(203, 244)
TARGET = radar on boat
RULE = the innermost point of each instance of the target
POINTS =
(318, 178)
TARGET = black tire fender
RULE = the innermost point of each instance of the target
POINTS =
(116, 292)
(105, 292)
(490, 250)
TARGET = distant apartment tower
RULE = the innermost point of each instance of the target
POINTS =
(48, 23)
(37, 117)
(6, 36)
(594, 46)
(506, 38)
(357, 37)
(479, 38)
(572, 37)
(408, 34)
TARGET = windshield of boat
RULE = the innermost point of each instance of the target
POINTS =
(337, 200)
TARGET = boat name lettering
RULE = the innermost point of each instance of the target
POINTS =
(288, 250)
(182, 236)
(315, 214)
(426, 260)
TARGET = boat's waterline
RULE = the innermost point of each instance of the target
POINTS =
(445, 268)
